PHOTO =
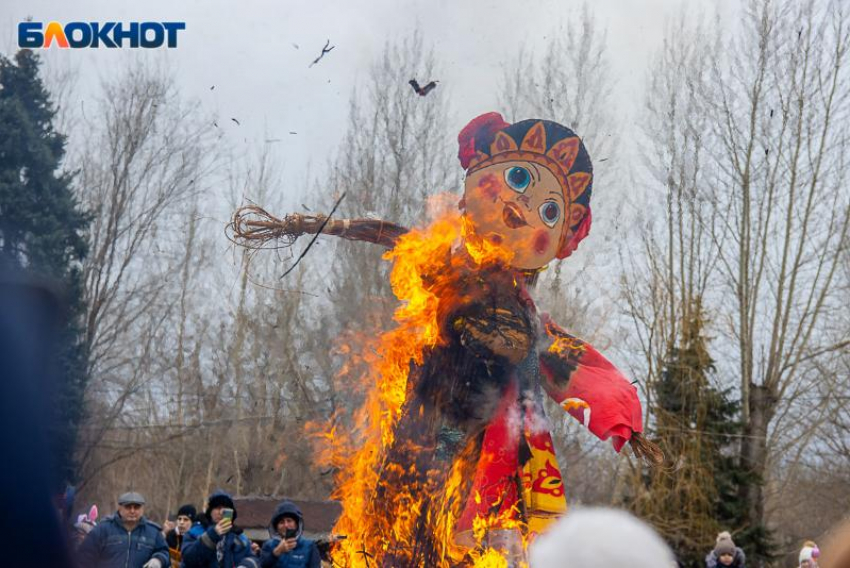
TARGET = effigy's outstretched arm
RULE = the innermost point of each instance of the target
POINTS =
(254, 227)
(591, 389)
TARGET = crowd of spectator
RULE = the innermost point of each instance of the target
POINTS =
(210, 539)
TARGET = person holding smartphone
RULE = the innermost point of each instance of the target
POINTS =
(287, 548)
(217, 542)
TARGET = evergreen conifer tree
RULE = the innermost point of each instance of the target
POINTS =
(42, 229)
(696, 424)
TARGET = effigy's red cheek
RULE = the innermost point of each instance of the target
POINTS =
(489, 186)
(540, 241)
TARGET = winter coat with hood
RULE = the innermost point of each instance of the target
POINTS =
(304, 555)
(711, 560)
(111, 545)
(205, 548)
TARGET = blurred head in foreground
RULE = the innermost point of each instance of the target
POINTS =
(600, 537)
(836, 548)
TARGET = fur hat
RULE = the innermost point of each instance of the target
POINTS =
(220, 498)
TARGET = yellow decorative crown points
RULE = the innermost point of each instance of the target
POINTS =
(565, 151)
(535, 139)
(578, 183)
(502, 143)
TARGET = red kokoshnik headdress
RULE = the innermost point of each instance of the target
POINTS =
(489, 140)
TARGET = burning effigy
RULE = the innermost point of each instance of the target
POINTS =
(451, 461)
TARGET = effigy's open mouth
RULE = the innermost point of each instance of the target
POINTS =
(513, 217)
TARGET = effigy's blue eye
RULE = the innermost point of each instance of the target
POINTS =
(518, 178)
(550, 212)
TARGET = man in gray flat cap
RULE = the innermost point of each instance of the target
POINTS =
(126, 539)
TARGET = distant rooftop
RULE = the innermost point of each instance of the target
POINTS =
(254, 514)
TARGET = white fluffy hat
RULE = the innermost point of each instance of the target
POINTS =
(600, 537)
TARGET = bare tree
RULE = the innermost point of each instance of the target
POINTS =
(571, 82)
(221, 389)
(781, 99)
(669, 268)
(142, 161)
(274, 367)
(207, 376)
(397, 152)
(146, 158)
(667, 276)
(748, 124)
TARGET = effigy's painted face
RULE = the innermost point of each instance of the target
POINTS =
(520, 206)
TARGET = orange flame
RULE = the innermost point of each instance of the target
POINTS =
(390, 505)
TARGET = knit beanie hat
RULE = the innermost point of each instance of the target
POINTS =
(188, 511)
(724, 545)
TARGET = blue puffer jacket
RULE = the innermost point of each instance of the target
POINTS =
(109, 545)
(304, 555)
(205, 548)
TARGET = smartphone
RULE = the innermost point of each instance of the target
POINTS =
(290, 533)
(227, 514)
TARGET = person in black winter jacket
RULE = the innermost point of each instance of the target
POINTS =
(288, 548)
(186, 519)
(217, 542)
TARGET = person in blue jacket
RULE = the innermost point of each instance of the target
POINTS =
(217, 542)
(288, 548)
(125, 540)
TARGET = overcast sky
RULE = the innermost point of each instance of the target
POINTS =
(248, 50)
